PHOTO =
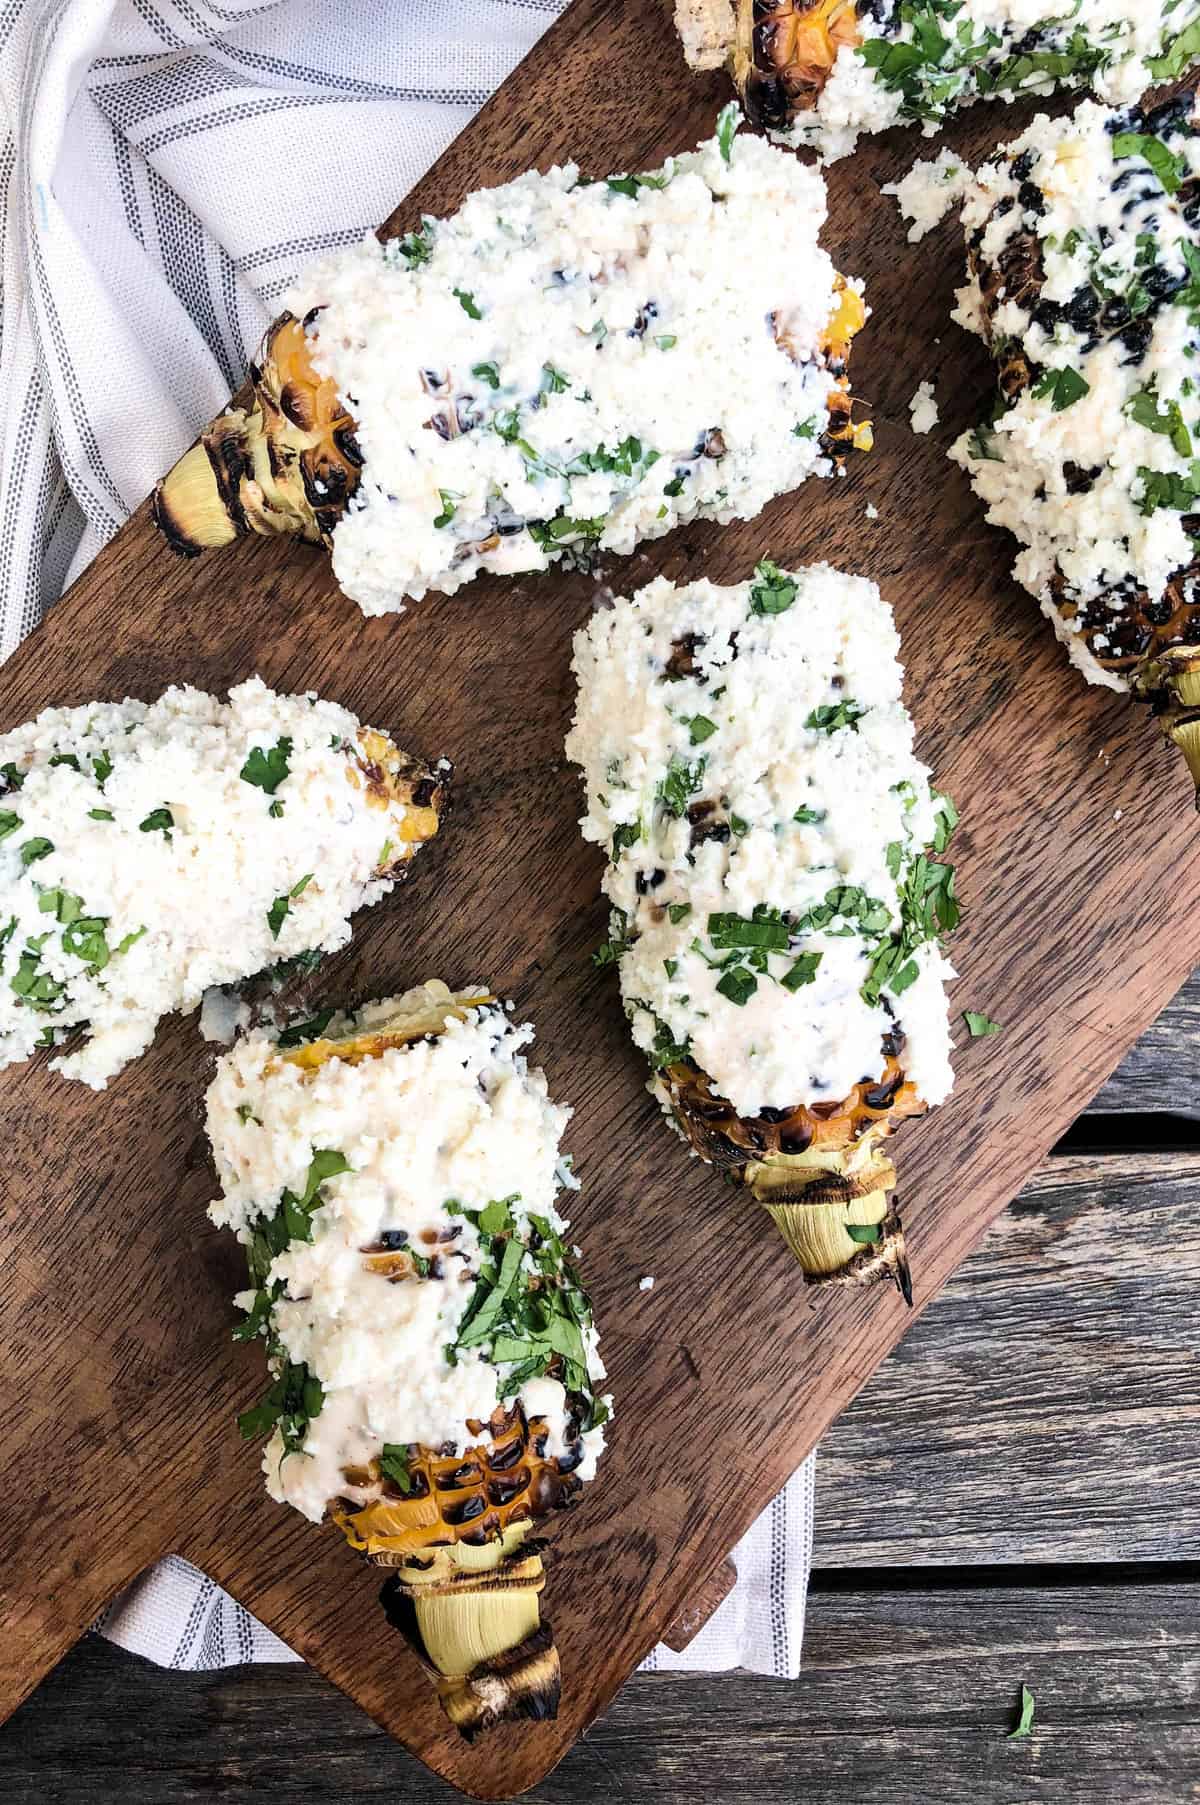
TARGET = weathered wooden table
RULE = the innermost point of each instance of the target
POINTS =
(1011, 1499)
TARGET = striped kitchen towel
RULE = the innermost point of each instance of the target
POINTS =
(167, 165)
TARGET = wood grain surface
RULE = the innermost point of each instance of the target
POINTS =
(905, 1696)
(1161, 1074)
(121, 1381)
(1047, 1409)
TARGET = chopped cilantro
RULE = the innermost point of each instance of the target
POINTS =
(1064, 386)
(266, 769)
(1170, 169)
(416, 247)
(772, 592)
(158, 821)
(393, 1464)
(728, 120)
(311, 1029)
(1144, 409)
(467, 302)
(802, 972)
(738, 984)
(832, 716)
(865, 1233)
(680, 783)
(979, 1025)
(1025, 1721)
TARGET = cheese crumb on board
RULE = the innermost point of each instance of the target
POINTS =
(930, 190)
(923, 409)
(373, 1195)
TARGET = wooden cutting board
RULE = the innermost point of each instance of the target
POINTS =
(120, 1382)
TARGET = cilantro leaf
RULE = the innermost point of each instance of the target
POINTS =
(772, 591)
(393, 1464)
(267, 769)
(738, 984)
(1064, 387)
(1025, 1722)
(832, 716)
(865, 1233)
(1170, 169)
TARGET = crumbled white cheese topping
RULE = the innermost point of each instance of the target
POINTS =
(429, 1134)
(139, 865)
(932, 187)
(923, 408)
(646, 1284)
(912, 65)
(566, 367)
(743, 769)
(871, 511)
(1093, 467)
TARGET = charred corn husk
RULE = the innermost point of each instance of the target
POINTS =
(821, 72)
(1083, 245)
(562, 368)
(433, 1361)
(776, 916)
(149, 851)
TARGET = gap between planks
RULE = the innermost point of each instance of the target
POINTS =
(902, 1697)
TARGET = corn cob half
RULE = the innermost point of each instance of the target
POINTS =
(1083, 248)
(776, 917)
(151, 850)
(433, 1360)
(821, 72)
(562, 368)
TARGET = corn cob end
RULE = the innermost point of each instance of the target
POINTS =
(472, 1618)
(285, 463)
(188, 509)
(1170, 682)
(832, 1209)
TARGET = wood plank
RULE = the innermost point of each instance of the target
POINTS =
(1161, 1073)
(905, 1695)
(142, 1423)
(1046, 1408)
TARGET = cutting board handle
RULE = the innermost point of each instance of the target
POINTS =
(688, 1622)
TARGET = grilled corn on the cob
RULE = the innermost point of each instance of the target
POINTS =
(433, 1359)
(1083, 244)
(776, 920)
(821, 72)
(148, 851)
(560, 368)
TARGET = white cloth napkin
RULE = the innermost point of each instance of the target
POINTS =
(166, 166)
